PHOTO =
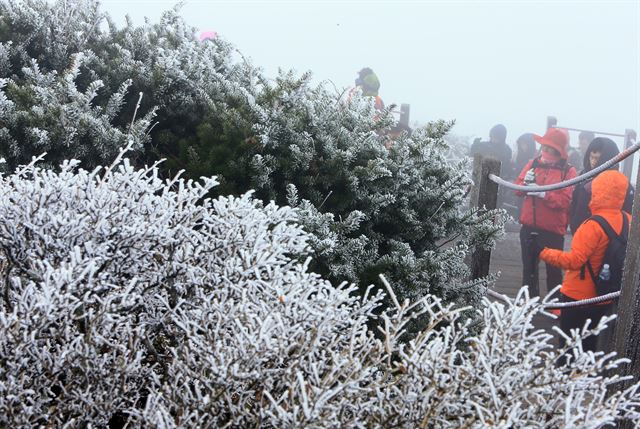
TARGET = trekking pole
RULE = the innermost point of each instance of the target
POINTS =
(534, 263)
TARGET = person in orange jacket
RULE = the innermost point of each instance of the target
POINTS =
(589, 244)
(545, 213)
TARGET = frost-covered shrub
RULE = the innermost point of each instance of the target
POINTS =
(69, 84)
(70, 81)
(372, 208)
(129, 299)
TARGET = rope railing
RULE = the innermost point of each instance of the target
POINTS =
(579, 179)
(600, 133)
(561, 305)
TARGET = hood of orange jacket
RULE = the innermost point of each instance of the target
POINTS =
(608, 191)
(590, 242)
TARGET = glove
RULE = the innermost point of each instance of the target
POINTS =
(537, 194)
(530, 177)
(533, 245)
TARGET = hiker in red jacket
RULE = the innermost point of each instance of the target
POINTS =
(545, 213)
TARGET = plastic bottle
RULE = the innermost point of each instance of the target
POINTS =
(605, 273)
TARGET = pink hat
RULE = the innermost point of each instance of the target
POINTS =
(207, 35)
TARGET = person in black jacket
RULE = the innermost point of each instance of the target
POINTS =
(599, 151)
(497, 148)
(525, 151)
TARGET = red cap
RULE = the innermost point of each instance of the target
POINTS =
(555, 138)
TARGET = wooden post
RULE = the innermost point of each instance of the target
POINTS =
(552, 121)
(484, 196)
(627, 331)
(627, 164)
(405, 111)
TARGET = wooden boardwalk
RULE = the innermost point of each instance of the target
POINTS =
(506, 259)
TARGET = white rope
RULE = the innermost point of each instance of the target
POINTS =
(560, 185)
(600, 133)
(582, 302)
(560, 305)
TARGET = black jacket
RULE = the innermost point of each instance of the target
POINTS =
(500, 151)
(526, 151)
(579, 208)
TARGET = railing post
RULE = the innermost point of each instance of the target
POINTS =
(627, 331)
(405, 111)
(552, 121)
(484, 196)
(627, 164)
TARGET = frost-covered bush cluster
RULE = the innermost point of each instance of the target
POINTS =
(128, 299)
(70, 82)
(371, 209)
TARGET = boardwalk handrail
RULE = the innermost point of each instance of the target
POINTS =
(560, 185)
(601, 133)
(560, 305)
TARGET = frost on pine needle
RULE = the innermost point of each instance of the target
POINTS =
(125, 297)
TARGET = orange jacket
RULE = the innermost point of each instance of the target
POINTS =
(378, 104)
(590, 242)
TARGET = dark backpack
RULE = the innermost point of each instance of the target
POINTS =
(614, 256)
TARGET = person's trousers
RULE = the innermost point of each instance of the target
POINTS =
(530, 262)
(575, 318)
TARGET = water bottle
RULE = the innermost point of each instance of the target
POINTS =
(605, 274)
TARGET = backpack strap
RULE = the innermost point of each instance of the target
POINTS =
(591, 273)
(536, 162)
(564, 166)
(611, 235)
(565, 169)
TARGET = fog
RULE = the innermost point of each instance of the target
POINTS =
(479, 63)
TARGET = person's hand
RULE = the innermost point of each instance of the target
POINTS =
(533, 245)
(537, 194)
(530, 177)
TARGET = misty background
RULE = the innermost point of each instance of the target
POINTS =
(480, 63)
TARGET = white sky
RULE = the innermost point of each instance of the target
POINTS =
(480, 63)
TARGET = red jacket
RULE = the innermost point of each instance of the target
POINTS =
(590, 241)
(550, 213)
